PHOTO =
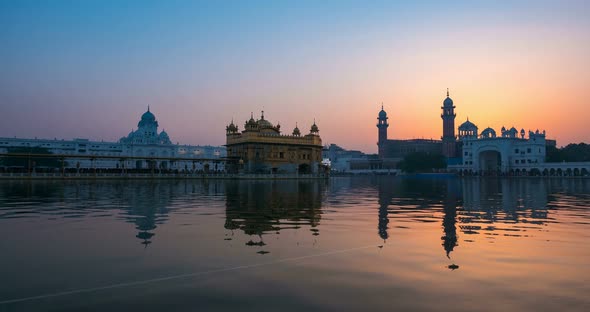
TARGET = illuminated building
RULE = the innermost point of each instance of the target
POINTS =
(261, 148)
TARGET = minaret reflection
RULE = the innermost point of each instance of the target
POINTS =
(394, 192)
(449, 239)
(383, 221)
(385, 191)
(263, 207)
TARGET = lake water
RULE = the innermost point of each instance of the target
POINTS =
(344, 244)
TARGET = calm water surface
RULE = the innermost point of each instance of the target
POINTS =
(347, 244)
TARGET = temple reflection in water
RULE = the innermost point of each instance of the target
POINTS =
(146, 204)
(64, 235)
(263, 207)
(466, 208)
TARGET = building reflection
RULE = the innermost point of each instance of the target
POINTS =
(470, 206)
(386, 188)
(395, 195)
(505, 201)
(450, 202)
(465, 207)
(146, 204)
(494, 207)
(262, 207)
(147, 207)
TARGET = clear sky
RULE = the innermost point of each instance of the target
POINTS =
(90, 68)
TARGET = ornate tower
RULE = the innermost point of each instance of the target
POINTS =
(382, 126)
(448, 137)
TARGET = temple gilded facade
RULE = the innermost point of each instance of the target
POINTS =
(261, 148)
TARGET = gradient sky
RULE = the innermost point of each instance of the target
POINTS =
(90, 68)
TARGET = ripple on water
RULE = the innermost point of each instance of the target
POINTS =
(418, 231)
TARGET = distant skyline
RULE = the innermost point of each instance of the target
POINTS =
(89, 69)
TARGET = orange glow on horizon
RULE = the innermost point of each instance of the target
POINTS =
(520, 65)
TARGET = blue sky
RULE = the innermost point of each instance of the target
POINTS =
(90, 68)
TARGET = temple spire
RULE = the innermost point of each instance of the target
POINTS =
(148, 108)
(447, 92)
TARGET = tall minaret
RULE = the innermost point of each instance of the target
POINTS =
(448, 137)
(382, 126)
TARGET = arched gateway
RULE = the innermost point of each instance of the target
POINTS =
(490, 161)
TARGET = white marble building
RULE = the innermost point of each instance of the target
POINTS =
(128, 152)
(489, 152)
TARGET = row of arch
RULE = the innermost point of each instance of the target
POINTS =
(569, 172)
(546, 172)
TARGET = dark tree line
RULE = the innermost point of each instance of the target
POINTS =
(34, 160)
(570, 153)
(422, 162)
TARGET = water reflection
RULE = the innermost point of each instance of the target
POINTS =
(467, 206)
(94, 233)
(146, 204)
(259, 208)
(385, 196)
(504, 206)
(414, 199)
(450, 218)
(147, 207)
(471, 206)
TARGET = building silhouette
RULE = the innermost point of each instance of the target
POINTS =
(398, 149)
(449, 146)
